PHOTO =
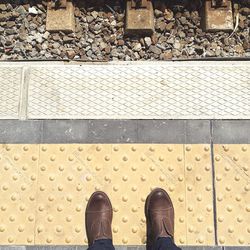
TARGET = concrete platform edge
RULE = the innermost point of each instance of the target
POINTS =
(125, 131)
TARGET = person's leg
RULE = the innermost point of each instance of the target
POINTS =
(102, 244)
(98, 217)
(165, 243)
(159, 212)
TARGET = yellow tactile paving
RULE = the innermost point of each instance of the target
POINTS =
(61, 196)
(232, 178)
(149, 167)
(44, 191)
(199, 195)
(69, 174)
(18, 179)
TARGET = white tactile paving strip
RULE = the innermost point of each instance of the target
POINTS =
(154, 90)
(10, 85)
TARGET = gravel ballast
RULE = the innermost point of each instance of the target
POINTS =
(100, 34)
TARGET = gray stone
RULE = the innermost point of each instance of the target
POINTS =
(169, 26)
(168, 15)
(89, 53)
(148, 41)
(160, 26)
(81, 247)
(3, 7)
(197, 131)
(114, 53)
(171, 40)
(65, 131)
(237, 248)
(12, 248)
(182, 34)
(94, 14)
(183, 20)
(158, 13)
(33, 10)
(10, 31)
(45, 45)
(155, 50)
(38, 37)
(46, 35)
(177, 45)
(102, 45)
(9, 43)
(137, 47)
(201, 248)
(209, 53)
(2, 40)
(97, 27)
(56, 45)
(50, 248)
(90, 19)
(161, 131)
(231, 132)
(67, 39)
(117, 247)
(21, 10)
(112, 131)
(15, 131)
(11, 24)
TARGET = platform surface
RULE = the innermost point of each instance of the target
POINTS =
(55, 150)
(47, 180)
(45, 188)
(153, 90)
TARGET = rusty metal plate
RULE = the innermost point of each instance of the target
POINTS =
(61, 19)
(218, 18)
(139, 20)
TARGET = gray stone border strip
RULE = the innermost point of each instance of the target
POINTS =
(231, 131)
(37, 247)
(125, 131)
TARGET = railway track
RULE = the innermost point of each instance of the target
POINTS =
(218, 15)
(118, 30)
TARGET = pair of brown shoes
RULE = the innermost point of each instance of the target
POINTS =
(159, 212)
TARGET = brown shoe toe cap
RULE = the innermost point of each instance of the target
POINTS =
(98, 202)
(159, 199)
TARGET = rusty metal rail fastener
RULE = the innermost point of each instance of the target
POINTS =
(218, 15)
(60, 16)
(139, 17)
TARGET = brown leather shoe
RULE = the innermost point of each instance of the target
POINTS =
(159, 212)
(98, 217)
